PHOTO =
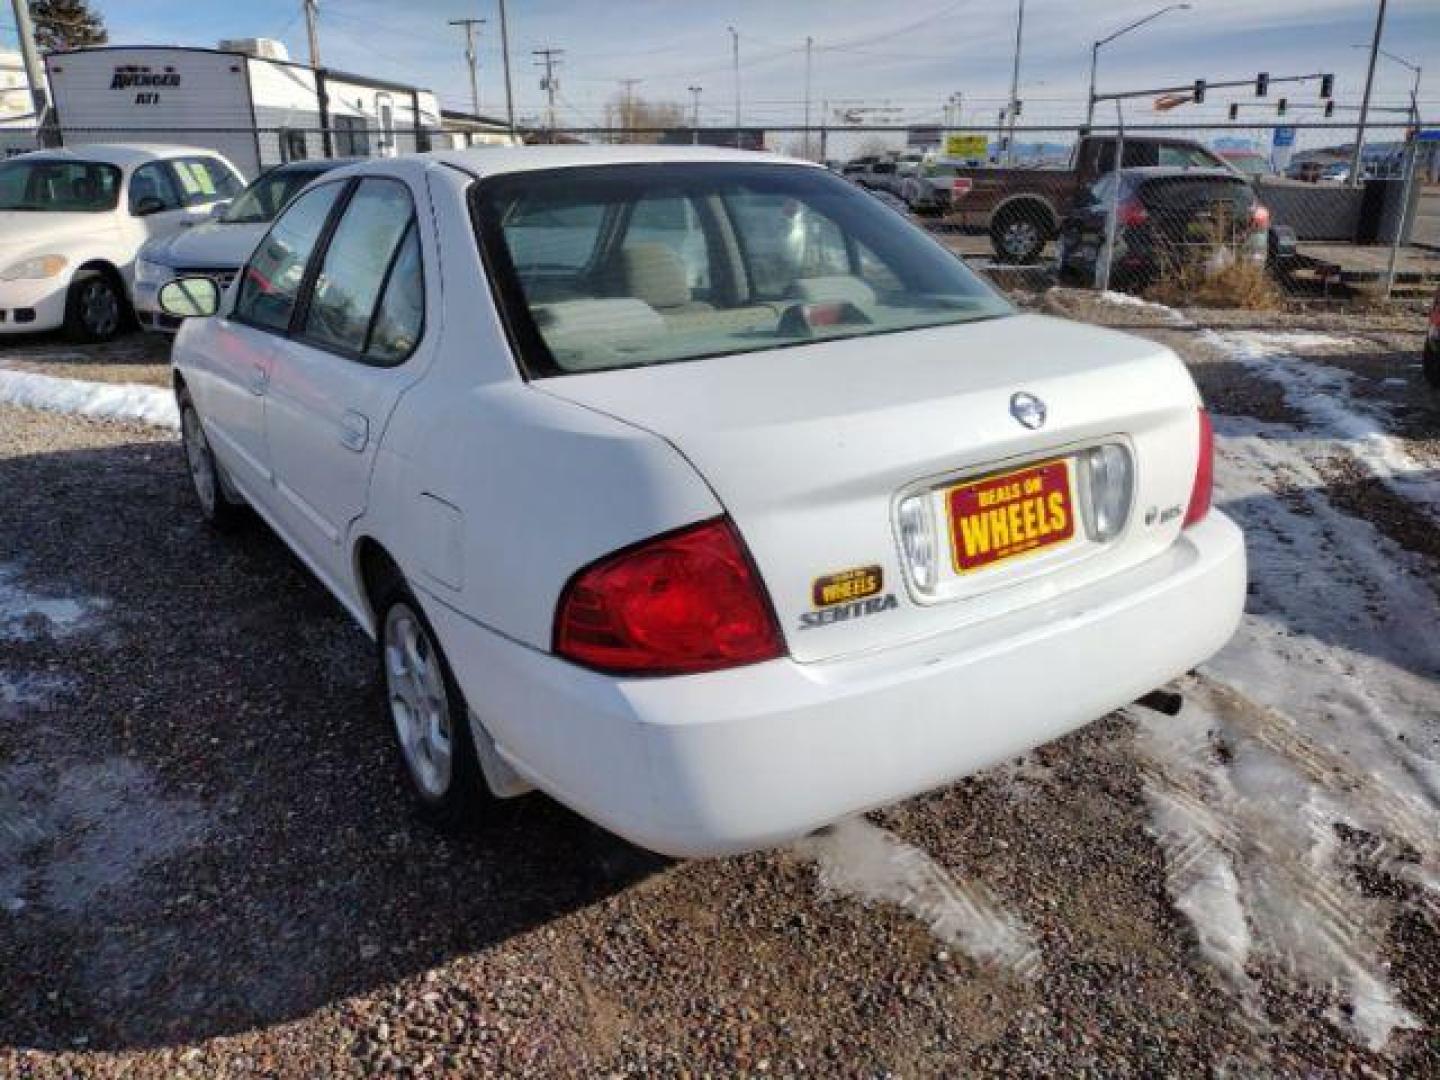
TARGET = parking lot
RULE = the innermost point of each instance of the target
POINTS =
(208, 865)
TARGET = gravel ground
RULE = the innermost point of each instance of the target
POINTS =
(208, 866)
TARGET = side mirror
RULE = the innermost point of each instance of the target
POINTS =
(190, 298)
(218, 210)
(150, 204)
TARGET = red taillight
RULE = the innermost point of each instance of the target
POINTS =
(1131, 213)
(960, 186)
(1204, 473)
(1260, 217)
(681, 603)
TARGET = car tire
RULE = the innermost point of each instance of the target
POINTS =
(1019, 234)
(206, 478)
(95, 307)
(428, 717)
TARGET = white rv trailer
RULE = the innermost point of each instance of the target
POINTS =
(245, 100)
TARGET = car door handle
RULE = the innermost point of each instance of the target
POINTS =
(259, 379)
(354, 431)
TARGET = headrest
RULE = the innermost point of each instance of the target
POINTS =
(653, 273)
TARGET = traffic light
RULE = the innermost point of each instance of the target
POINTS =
(1280, 107)
(1199, 93)
(1330, 108)
(1327, 87)
(1262, 84)
(1234, 111)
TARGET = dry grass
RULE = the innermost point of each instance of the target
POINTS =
(1242, 284)
(1190, 275)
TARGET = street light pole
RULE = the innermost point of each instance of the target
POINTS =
(1365, 101)
(695, 115)
(505, 51)
(1015, 84)
(809, 43)
(735, 53)
(30, 56)
(1095, 50)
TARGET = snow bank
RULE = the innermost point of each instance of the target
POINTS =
(1323, 394)
(858, 859)
(1307, 746)
(102, 401)
(1126, 300)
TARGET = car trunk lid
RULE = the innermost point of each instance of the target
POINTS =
(812, 449)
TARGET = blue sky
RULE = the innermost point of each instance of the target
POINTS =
(909, 57)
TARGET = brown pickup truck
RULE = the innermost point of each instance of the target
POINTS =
(1022, 207)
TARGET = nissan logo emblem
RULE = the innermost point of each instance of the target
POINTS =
(1028, 409)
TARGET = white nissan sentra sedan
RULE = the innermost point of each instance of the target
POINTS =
(698, 489)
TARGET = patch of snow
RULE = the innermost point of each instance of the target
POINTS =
(24, 614)
(859, 859)
(1127, 300)
(114, 823)
(132, 402)
(1256, 344)
(1320, 719)
(1322, 394)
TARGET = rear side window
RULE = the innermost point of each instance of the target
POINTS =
(358, 261)
(271, 281)
(204, 180)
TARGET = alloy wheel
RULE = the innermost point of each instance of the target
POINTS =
(419, 708)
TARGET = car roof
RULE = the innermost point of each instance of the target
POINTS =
(312, 165)
(121, 154)
(494, 161)
(1161, 172)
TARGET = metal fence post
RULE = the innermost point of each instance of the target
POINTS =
(1408, 160)
(1114, 214)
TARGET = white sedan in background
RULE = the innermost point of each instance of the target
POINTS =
(714, 538)
(219, 247)
(72, 221)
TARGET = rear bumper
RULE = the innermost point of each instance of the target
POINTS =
(731, 761)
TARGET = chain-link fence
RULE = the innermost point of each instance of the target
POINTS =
(1262, 211)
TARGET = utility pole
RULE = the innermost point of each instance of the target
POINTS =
(312, 12)
(735, 51)
(470, 25)
(695, 115)
(34, 72)
(549, 59)
(1365, 101)
(809, 45)
(505, 50)
(627, 105)
(1015, 84)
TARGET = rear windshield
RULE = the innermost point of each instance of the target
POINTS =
(623, 265)
(263, 199)
(56, 185)
(1188, 191)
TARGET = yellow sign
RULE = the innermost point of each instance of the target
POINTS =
(967, 146)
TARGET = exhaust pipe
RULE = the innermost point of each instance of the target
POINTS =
(1166, 702)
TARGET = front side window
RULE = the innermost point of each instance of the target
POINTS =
(622, 265)
(270, 283)
(357, 264)
(265, 198)
(152, 190)
(59, 186)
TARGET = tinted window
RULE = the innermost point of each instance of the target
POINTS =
(271, 282)
(152, 189)
(59, 186)
(356, 263)
(1188, 157)
(803, 257)
(203, 180)
(263, 199)
(401, 314)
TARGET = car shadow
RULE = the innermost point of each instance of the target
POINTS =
(203, 826)
(134, 347)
